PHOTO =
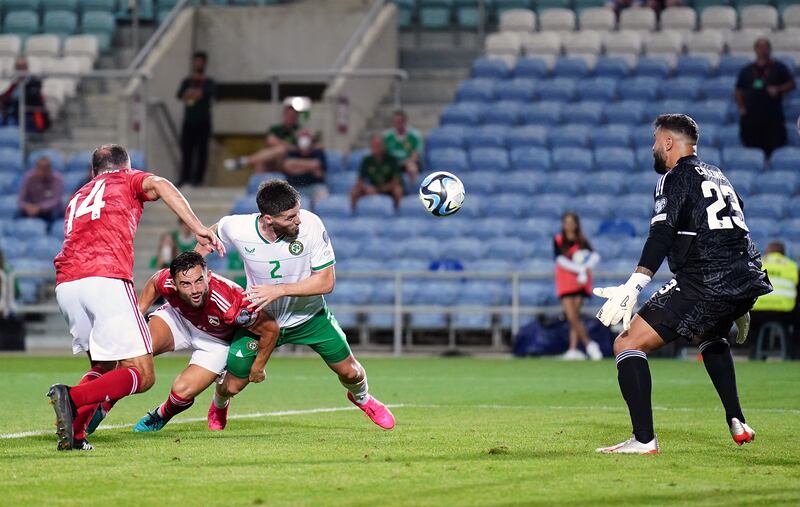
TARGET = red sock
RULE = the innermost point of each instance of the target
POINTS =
(174, 405)
(111, 386)
(86, 412)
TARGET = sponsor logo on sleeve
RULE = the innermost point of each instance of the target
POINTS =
(660, 204)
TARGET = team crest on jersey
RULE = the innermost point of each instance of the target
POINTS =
(661, 203)
(295, 247)
(250, 251)
(252, 345)
(213, 320)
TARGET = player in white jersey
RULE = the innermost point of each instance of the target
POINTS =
(289, 262)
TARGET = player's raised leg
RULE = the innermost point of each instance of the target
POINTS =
(633, 373)
(354, 378)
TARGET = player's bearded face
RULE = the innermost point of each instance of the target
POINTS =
(287, 224)
(192, 286)
(659, 161)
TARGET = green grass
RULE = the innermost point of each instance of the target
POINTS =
(471, 432)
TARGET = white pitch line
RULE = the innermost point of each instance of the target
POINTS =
(322, 410)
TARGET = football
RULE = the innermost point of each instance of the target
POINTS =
(441, 193)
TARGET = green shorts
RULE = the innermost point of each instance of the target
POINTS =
(321, 332)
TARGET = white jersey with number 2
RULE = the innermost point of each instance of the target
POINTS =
(281, 261)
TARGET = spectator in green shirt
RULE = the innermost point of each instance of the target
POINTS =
(281, 139)
(380, 174)
(173, 243)
(404, 143)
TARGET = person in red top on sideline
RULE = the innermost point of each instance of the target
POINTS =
(94, 287)
(574, 263)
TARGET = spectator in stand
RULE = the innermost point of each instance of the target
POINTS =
(620, 5)
(404, 143)
(196, 92)
(42, 192)
(780, 305)
(177, 241)
(574, 263)
(305, 168)
(37, 119)
(660, 5)
(759, 94)
(281, 139)
(380, 173)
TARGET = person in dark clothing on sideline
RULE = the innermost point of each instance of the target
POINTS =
(759, 95)
(196, 92)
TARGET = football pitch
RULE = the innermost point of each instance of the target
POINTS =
(470, 431)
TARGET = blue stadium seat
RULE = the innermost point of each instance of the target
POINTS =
(375, 206)
(558, 89)
(608, 181)
(711, 156)
(521, 89)
(411, 207)
(567, 182)
(794, 207)
(728, 136)
(334, 206)
(354, 159)
(612, 135)
(571, 67)
(597, 206)
(681, 88)
(137, 160)
(244, 205)
(546, 113)
(598, 88)
(731, 65)
(487, 136)
(56, 158)
(475, 90)
(711, 112)
(504, 112)
(531, 68)
(625, 112)
(493, 68)
(709, 135)
(532, 158)
(446, 136)
(631, 249)
(639, 88)
(10, 160)
(21, 23)
(612, 66)
(79, 162)
(786, 158)
(719, 87)
(74, 181)
(527, 135)
(9, 205)
(791, 107)
(653, 66)
(100, 24)
(765, 225)
(8, 183)
(361, 265)
(521, 182)
(570, 135)
(26, 228)
(496, 227)
(616, 228)
(667, 106)
(735, 159)
(473, 208)
(44, 248)
(488, 159)
(617, 159)
(507, 205)
(771, 206)
(481, 183)
(343, 182)
(453, 227)
(21, 5)
(637, 206)
(793, 135)
(462, 113)
(744, 182)
(644, 156)
(589, 113)
(334, 161)
(9, 137)
(644, 183)
(257, 179)
(534, 229)
(537, 293)
(694, 66)
(467, 249)
(776, 182)
(789, 229)
(510, 249)
(549, 206)
(448, 159)
(378, 248)
(61, 23)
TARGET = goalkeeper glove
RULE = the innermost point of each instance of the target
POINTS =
(621, 301)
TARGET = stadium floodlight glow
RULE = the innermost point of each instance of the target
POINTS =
(299, 104)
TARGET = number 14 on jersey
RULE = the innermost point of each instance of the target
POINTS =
(92, 204)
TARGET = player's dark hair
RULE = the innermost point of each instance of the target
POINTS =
(186, 261)
(579, 238)
(276, 196)
(201, 54)
(680, 124)
(400, 112)
(109, 157)
(762, 39)
(776, 246)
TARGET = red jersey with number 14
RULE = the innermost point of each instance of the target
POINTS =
(224, 302)
(100, 224)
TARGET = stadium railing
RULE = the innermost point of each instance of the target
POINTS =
(516, 310)
(4, 294)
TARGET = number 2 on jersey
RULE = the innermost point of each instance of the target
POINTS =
(92, 204)
(725, 222)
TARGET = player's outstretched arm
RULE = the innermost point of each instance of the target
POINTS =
(204, 250)
(160, 188)
(319, 283)
(149, 294)
(267, 330)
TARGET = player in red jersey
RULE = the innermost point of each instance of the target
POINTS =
(202, 312)
(94, 287)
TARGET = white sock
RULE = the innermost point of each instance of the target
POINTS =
(220, 401)
(359, 390)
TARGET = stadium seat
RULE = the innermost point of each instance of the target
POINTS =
(777, 182)
(597, 18)
(410, 207)
(517, 20)
(487, 136)
(10, 158)
(257, 179)
(100, 24)
(56, 158)
(570, 136)
(718, 17)
(25, 228)
(728, 136)
(694, 66)
(334, 206)
(573, 159)
(491, 68)
(681, 88)
(9, 137)
(667, 106)
(44, 248)
(504, 112)
(710, 43)
(475, 90)
(488, 159)
(537, 293)
(521, 182)
(531, 67)
(549, 206)
(527, 135)
(531, 159)
(638, 18)
(764, 17)
(105, 5)
(735, 159)
(480, 183)
(334, 161)
(682, 19)
(462, 113)
(614, 67)
(547, 113)
(629, 112)
(718, 88)
(612, 135)
(786, 158)
(557, 20)
(61, 23)
(711, 112)
(598, 88)
(666, 43)
(375, 206)
(585, 45)
(447, 136)
(343, 182)
(557, 89)
(571, 67)
(791, 16)
(712, 156)
(519, 89)
(743, 181)
(22, 23)
(607, 181)
(644, 88)
(544, 46)
(354, 159)
(637, 207)
(620, 159)
(769, 206)
(731, 65)
(625, 44)
(656, 66)
(588, 113)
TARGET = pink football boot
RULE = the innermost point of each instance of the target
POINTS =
(217, 417)
(375, 410)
